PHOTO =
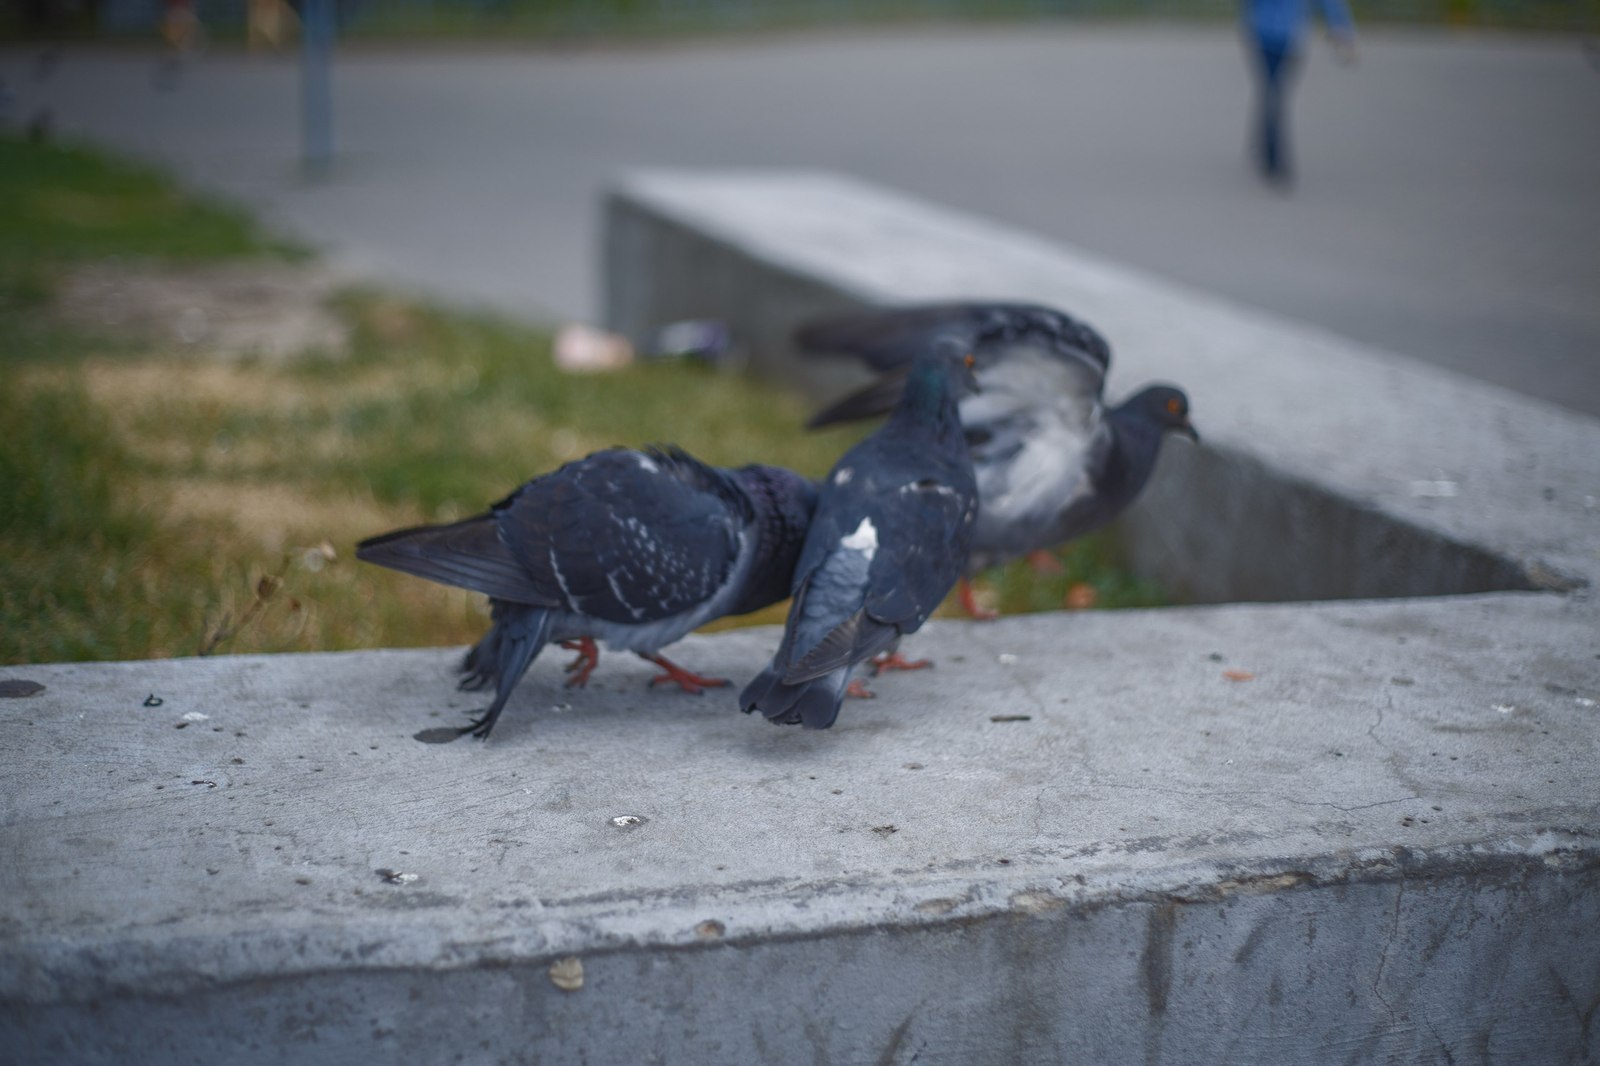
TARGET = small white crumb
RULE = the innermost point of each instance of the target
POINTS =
(1505, 708)
(195, 716)
(567, 974)
(1005, 658)
(1583, 701)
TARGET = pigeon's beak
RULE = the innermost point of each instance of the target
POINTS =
(1187, 429)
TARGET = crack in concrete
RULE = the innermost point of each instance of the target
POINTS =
(1388, 699)
(1383, 956)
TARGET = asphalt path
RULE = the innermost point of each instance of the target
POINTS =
(1447, 207)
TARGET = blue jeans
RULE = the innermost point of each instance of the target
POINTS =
(1278, 59)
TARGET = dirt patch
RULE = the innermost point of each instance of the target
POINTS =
(232, 311)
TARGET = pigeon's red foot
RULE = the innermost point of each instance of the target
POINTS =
(1045, 562)
(859, 690)
(970, 604)
(893, 660)
(693, 684)
(581, 667)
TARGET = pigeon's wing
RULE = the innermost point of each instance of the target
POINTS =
(467, 554)
(1026, 356)
(887, 338)
(1045, 328)
(872, 399)
(628, 536)
(928, 534)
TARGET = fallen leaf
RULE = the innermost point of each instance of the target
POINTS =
(1080, 597)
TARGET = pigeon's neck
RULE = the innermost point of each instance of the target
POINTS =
(783, 502)
(929, 404)
(1136, 443)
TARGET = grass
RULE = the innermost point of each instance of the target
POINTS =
(156, 502)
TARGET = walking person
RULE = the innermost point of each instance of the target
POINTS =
(1274, 29)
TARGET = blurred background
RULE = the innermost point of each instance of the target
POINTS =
(249, 314)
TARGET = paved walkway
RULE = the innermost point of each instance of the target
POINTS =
(1449, 206)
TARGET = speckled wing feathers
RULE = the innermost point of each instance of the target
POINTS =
(620, 539)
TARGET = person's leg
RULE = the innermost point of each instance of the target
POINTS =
(1277, 70)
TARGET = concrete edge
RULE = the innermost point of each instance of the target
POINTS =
(76, 970)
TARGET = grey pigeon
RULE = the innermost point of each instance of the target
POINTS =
(635, 548)
(890, 535)
(1052, 461)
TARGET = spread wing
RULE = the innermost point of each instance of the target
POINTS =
(1025, 354)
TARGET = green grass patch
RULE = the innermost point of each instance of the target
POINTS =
(65, 203)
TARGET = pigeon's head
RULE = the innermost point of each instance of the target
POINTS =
(939, 378)
(1165, 406)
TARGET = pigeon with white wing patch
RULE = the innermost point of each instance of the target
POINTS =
(888, 539)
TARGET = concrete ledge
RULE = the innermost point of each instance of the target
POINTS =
(1381, 848)
(1329, 469)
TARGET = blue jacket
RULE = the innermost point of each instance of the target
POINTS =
(1283, 21)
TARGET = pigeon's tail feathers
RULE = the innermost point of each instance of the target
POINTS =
(873, 399)
(762, 693)
(468, 554)
(856, 638)
(817, 704)
(504, 655)
(813, 704)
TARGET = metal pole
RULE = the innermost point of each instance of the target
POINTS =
(316, 89)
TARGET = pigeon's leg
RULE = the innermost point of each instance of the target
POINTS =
(893, 660)
(581, 667)
(970, 604)
(693, 684)
(859, 690)
(1045, 562)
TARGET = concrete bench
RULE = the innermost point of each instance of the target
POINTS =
(1272, 832)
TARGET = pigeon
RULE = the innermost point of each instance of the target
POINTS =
(1053, 462)
(635, 548)
(888, 539)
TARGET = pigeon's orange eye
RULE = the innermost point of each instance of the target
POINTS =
(971, 360)
(1174, 406)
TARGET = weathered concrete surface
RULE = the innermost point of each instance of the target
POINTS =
(1382, 848)
(1329, 469)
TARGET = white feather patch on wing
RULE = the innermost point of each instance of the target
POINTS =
(863, 540)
